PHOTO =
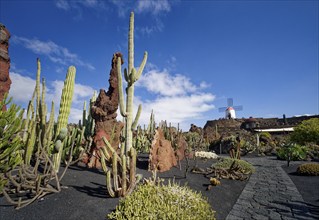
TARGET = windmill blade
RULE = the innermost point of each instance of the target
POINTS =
(238, 108)
(222, 109)
(230, 102)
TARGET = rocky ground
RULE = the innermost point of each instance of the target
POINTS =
(84, 195)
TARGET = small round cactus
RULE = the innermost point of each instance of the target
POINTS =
(63, 133)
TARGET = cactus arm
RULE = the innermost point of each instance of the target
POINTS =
(49, 129)
(121, 93)
(138, 114)
(114, 171)
(103, 163)
(126, 75)
(43, 106)
(84, 121)
(123, 174)
(26, 134)
(37, 84)
(131, 44)
(132, 172)
(105, 153)
(30, 143)
(141, 68)
(109, 184)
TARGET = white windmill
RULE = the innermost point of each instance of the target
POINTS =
(230, 109)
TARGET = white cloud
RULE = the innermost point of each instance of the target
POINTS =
(54, 52)
(155, 7)
(22, 88)
(161, 82)
(177, 99)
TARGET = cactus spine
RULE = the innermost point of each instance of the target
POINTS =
(131, 76)
(64, 112)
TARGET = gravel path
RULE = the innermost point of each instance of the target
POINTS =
(270, 194)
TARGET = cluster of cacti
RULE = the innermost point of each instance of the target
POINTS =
(44, 143)
(227, 168)
(121, 180)
(196, 141)
(142, 140)
(226, 163)
(10, 140)
(87, 120)
(308, 169)
(171, 133)
(159, 201)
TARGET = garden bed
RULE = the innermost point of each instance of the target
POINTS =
(84, 194)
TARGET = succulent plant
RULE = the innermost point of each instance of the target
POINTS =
(308, 169)
(158, 201)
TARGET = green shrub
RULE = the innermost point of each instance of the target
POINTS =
(225, 163)
(308, 169)
(292, 151)
(307, 131)
(10, 141)
(156, 201)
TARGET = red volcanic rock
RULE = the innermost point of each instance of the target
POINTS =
(182, 146)
(5, 80)
(98, 141)
(162, 156)
(104, 109)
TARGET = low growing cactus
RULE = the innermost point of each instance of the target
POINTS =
(308, 169)
(227, 162)
(157, 201)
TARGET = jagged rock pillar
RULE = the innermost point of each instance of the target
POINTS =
(104, 112)
(5, 80)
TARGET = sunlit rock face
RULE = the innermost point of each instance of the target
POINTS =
(5, 80)
(162, 156)
(104, 113)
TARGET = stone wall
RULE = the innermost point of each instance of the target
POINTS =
(227, 127)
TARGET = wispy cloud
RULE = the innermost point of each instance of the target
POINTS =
(22, 88)
(154, 7)
(177, 99)
(71, 4)
(54, 52)
(122, 7)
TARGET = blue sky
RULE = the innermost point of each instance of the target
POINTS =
(263, 54)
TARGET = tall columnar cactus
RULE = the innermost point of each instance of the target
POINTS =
(87, 120)
(131, 76)
(123, 178)
(64, 112)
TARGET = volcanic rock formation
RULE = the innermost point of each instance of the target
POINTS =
(104, 109)
(104, 113)
(162, 156)
(5, 80)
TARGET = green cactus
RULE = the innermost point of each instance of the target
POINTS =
(122, 184)
(64, 112)
(131, 76)
(10, 141)
(128, 177)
